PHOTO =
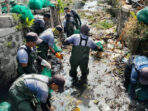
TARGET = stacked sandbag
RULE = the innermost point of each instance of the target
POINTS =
(39, 4)
(24, 11)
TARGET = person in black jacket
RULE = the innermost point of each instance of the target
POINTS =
(75, 16)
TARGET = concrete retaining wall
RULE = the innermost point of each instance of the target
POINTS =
(11, 40)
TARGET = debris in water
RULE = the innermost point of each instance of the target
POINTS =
(76, 109)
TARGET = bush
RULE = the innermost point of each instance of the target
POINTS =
(136, 36)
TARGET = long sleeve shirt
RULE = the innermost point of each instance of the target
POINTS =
(139, 63)
(38, 84)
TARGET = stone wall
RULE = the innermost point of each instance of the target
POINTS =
(10, 41)
(122, 17)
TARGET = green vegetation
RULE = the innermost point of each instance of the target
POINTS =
(103, 25)
(22, 24)
(8, 44)
(136, 35)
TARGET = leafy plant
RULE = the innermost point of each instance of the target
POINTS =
(136, 33)
(8, 44)
(133, 15)
(22, 24)
(60, 6)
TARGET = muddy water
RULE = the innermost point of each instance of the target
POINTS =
(104, 91)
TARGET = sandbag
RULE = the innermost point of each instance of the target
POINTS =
(47, 72)
(142, 15)
(24, 11)
(56, 48)
(39, 4)
(5, 106)
(47, 3)
(11, 4)
(77, 31)
(36, 4)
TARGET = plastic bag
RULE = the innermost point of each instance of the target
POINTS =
(5, 106)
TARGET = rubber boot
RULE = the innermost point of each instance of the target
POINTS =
(83, 80)
(75, 81)
(74, 78)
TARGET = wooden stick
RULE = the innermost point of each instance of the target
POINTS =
(119, 39)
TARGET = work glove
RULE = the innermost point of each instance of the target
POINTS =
(45, 63)
(59, 55)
